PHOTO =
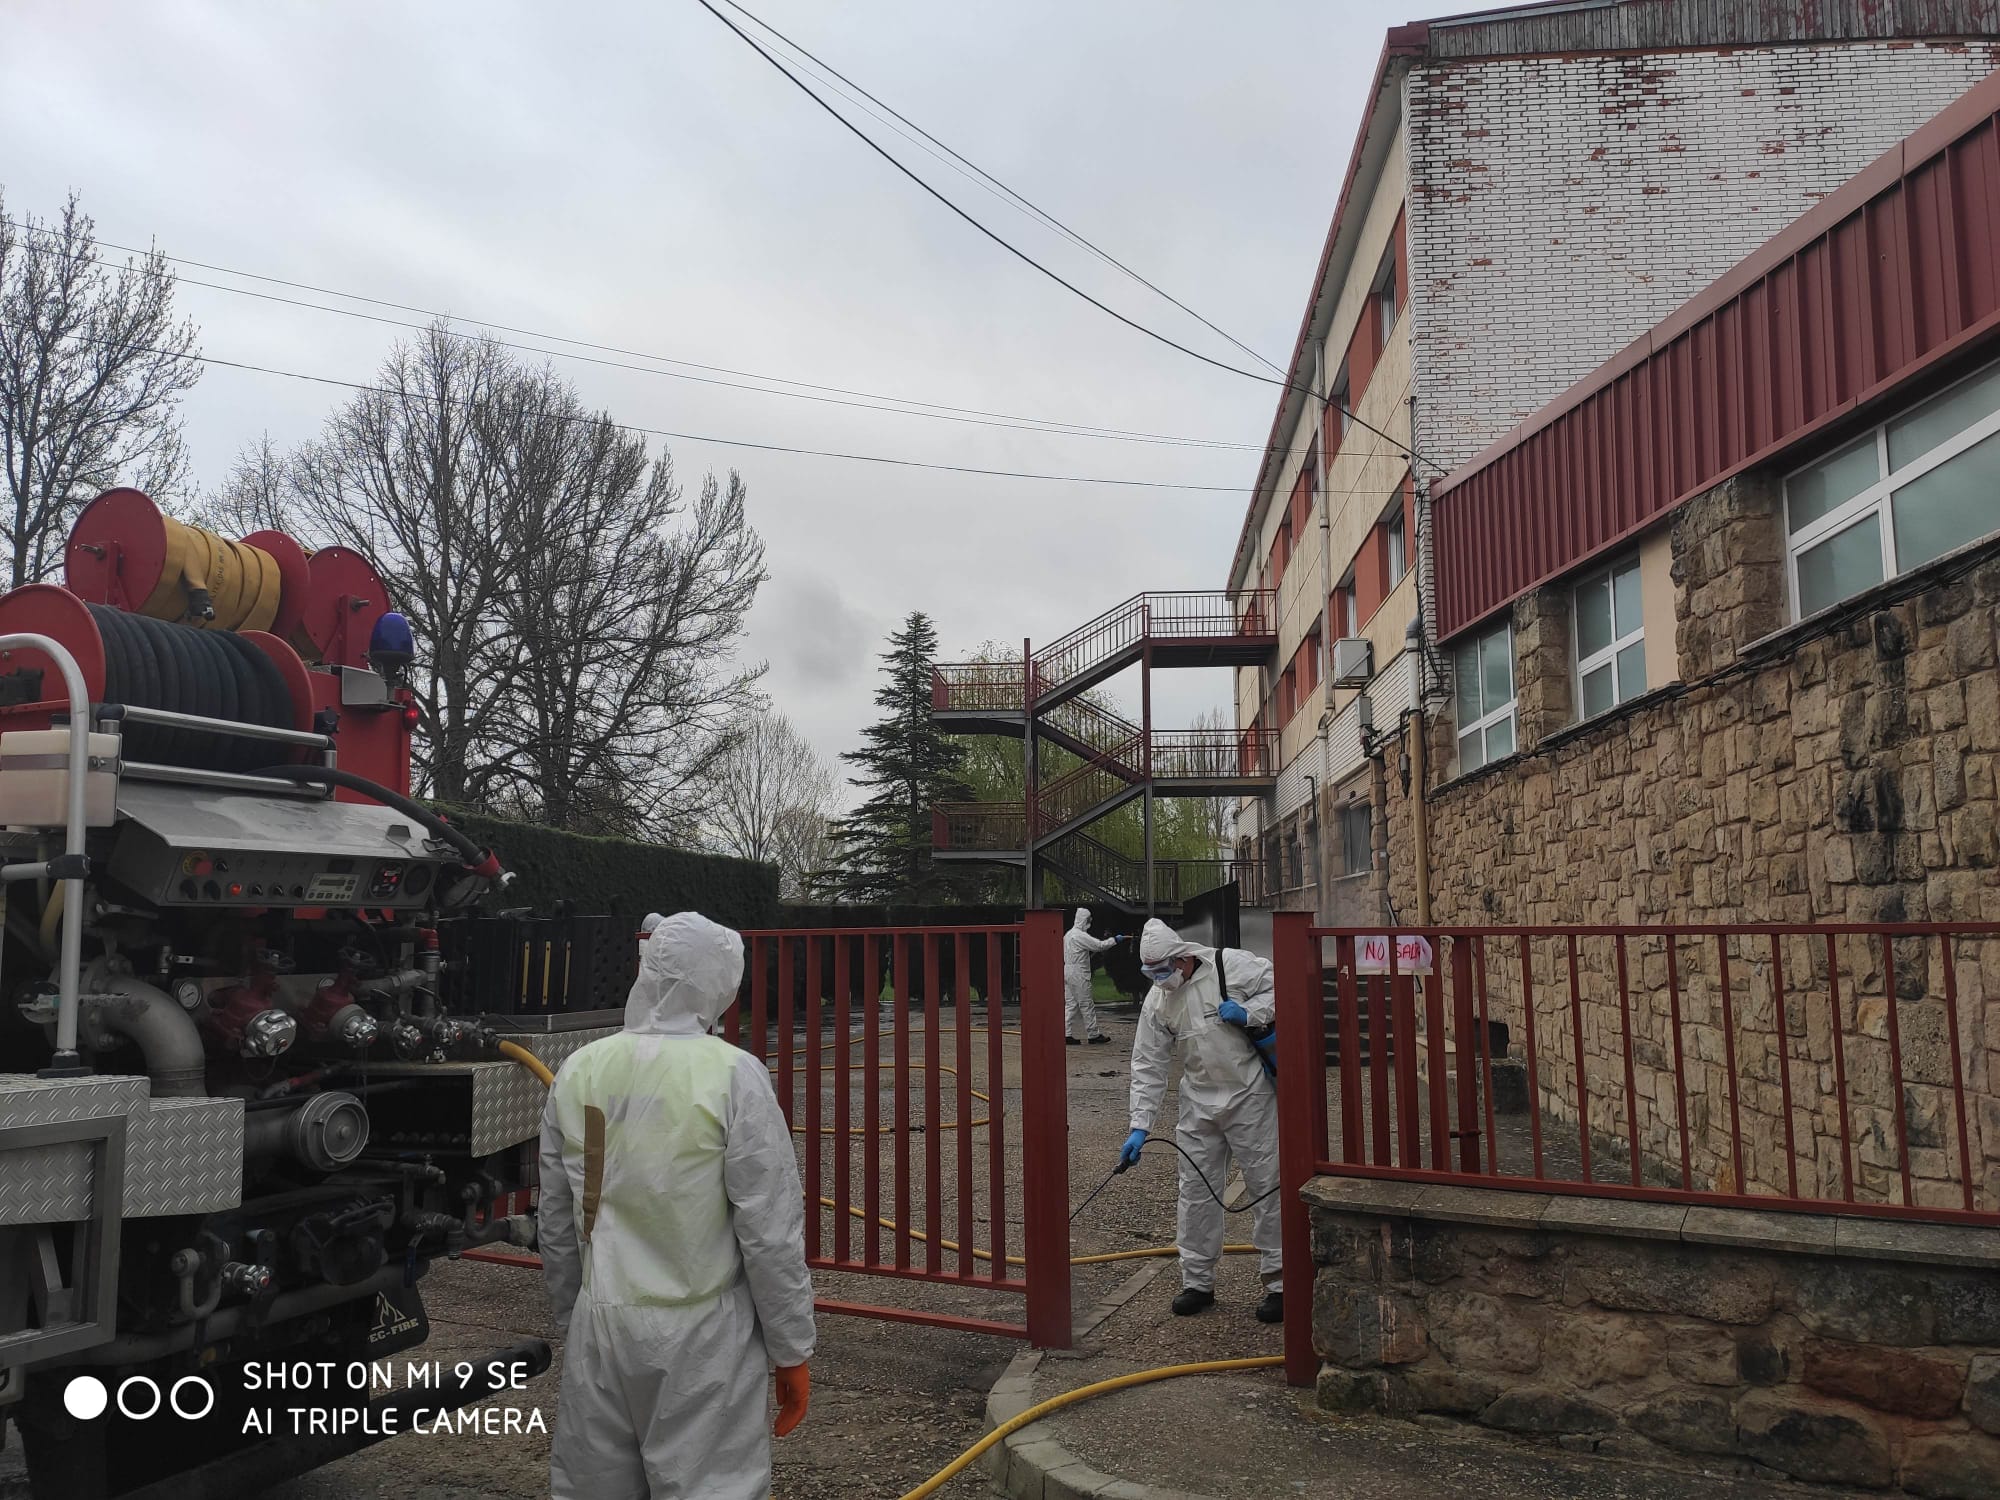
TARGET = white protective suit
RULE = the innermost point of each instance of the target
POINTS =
(1079, 1012)
(672, 1238)
(1228, 1107)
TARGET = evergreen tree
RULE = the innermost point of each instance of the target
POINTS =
(905, 768)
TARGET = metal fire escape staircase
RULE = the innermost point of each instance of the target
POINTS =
(1040, 701)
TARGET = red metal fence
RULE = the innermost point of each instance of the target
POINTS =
(1833, 1069)
(931, 1136)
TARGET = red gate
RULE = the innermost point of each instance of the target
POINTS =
(1821, 1068)
(867, 1058)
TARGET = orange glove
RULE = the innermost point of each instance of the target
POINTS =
(794, 1387)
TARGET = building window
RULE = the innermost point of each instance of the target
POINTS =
(1610, 639)
(1357, 836)
(1908, 492)
(1341, 408)
(1484, 668)
(1397, 544)
(1343, 604)
(1385, 298)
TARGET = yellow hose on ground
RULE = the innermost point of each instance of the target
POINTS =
(529, 1061)
(915, 1067)
(1041, 1409)
(1015, 1260)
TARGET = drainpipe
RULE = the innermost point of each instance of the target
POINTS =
(1031, 896)
(1326, 636)
(1413, 640)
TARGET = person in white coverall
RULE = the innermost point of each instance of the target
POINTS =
(1228, 1106)
(673, 1243)
(1079, 1014)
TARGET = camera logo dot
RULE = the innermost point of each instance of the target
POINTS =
(191, 1398)
(202, 1392)
(85, 1398)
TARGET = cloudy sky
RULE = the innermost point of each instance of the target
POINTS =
(632, 174)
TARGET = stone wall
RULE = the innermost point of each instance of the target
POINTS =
(1843, 771)
(1838, 1351)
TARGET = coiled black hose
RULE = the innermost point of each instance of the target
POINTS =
(214, 674)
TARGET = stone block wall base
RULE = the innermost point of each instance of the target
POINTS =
(1762, 1344)
(1031, 1467)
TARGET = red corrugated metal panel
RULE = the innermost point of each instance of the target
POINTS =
(1888, 275)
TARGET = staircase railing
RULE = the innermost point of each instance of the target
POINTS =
(971, 686)
(979, 827)
(1095, 782)
(1091, 725)
(1124, 878)
(1218, 614)
(1214, 754)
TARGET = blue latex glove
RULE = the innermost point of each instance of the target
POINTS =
(1233, 1013)
(1128, 1154)
(1267, 1054)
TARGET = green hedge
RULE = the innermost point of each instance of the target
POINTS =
(621, 876)
(803, 914)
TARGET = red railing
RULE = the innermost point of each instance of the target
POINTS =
(1073, 794)
(1088, 724)
(979, 827)
(895, 1187)
(1811, 1068)
(964, 687)
(1214, 754)
(1210, 615)
(1122, 877)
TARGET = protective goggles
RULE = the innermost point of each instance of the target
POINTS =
(1160, 973)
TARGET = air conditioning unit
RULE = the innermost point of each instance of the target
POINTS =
(1353, 662)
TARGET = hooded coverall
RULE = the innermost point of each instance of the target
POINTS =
(1228, 1107)
(1079, 1012)
(672, 1238)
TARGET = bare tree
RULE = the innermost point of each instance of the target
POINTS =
(403, 474)
(773, 799)
(93, 365)
(625, 617)
(576, 618)
(808, 855)
(256, 495)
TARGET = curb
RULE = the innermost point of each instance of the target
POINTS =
(1030, 1467)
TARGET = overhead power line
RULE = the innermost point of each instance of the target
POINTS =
(807, 391)
(1283, 382)
(993, 235)
(979, 174)
(702, 437)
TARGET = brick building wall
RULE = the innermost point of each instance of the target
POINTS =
(1844, 770)
(1561, 204)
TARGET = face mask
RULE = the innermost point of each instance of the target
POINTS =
(1167, 976)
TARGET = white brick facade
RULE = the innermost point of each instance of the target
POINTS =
(1561, 205)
